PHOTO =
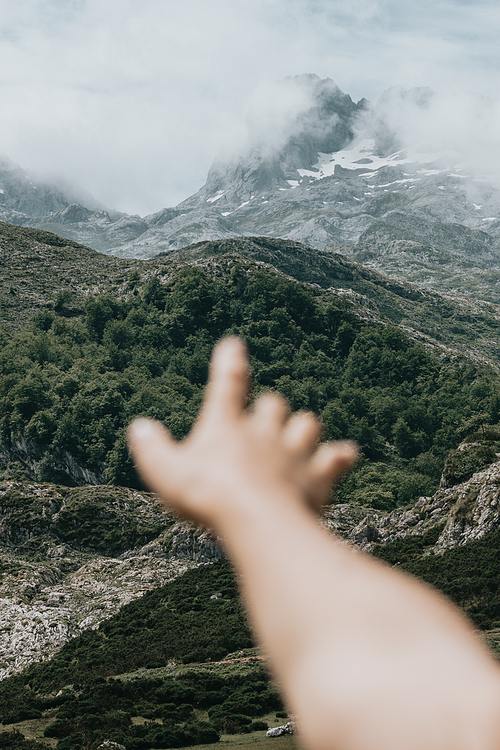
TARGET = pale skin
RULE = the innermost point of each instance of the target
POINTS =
(367, 658)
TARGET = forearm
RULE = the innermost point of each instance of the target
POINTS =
(367, 658)
(362, 653)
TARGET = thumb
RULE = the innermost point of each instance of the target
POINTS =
(328, 464)
(154, 452)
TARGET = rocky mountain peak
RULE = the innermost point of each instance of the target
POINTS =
(20, 193)
(378, 183)
(24, 196)
(310, 115)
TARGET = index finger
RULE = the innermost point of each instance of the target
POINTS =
(228, 381)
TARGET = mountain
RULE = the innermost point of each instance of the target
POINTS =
(44, 272)
(330, 173)
(27, 201)
(81, 554)
(23, 195)
(89, 340)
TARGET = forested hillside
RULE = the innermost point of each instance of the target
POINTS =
(71, 383)
(154, 660)
(79, 360)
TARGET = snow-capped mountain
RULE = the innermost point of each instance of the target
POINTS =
(348, 196)
(333, 174)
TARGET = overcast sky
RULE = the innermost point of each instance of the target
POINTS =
(132, 100)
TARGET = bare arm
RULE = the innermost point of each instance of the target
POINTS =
(368, 659)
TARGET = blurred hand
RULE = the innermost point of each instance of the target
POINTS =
(235, 455)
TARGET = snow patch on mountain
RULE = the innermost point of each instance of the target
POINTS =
(216, 197)
(361, 156)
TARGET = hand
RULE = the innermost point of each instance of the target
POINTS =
(235, 455)
(351, 641)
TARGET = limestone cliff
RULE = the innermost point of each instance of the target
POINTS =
(71, 557)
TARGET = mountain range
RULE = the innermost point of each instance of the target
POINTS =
(63, 566)
(336, 177)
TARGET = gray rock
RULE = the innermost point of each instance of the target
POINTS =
(51, 592)
(466, 512)
(289, 728)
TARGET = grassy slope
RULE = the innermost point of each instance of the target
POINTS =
(181, 623)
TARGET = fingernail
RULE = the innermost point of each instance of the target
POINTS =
(141, 428)
(232, 342)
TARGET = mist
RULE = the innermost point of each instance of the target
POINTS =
(134, 101)
(462, 124)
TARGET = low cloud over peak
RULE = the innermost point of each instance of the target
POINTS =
(464, 123)
(133, 101)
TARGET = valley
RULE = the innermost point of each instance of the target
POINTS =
(363, 274)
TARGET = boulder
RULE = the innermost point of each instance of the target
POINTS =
(288, 728)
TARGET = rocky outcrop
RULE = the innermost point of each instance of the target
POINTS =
(183, 541)
(71, 557)
(463, 513)
(29, 454)
(288, 728)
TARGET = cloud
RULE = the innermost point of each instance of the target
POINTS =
(273, 110)
(453, 122)
(133, 100)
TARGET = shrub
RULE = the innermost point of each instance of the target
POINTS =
(16, 741)
(467, 460)
(258, 726)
